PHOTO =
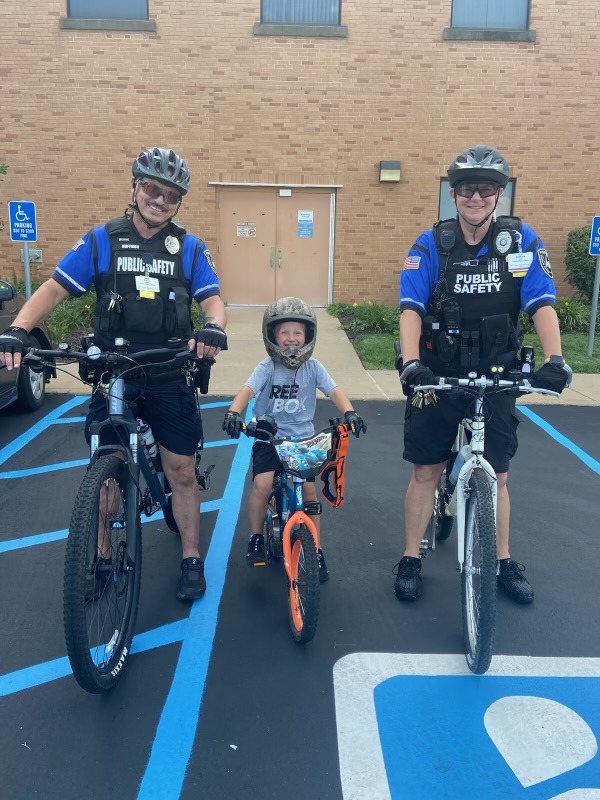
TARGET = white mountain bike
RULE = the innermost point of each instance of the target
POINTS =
(471, 498)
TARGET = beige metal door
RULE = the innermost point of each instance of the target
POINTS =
(272, 245)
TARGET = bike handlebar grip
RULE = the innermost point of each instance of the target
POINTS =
(204, 368)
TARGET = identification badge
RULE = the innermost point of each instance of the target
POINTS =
(143, 283)
(519, 263)
(503, 242)
(172, 244)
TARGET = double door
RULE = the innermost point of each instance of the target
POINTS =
(274, 243)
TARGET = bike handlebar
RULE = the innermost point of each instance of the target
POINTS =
(264, 434)
(482, 382)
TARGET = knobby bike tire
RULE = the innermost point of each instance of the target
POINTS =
(304, 591)
(100, 607)
(441, 524)
(478, 579)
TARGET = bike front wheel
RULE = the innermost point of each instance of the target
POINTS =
(102, 577)
(479, 576)
(304, 591)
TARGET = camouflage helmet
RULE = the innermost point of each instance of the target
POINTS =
(479, 164)
(289, 309)
(163, 165)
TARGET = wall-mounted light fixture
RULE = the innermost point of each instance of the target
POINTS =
(389, 171)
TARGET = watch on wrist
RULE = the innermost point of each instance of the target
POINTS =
(558, 360)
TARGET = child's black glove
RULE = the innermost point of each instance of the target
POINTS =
(233, 424)
(356, 423)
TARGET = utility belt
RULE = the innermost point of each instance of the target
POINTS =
(468, 345)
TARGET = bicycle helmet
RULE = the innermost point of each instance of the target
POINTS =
(479, 164)
(163, 165)
(289, 309)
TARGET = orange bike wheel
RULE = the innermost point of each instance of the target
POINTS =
(304, 591)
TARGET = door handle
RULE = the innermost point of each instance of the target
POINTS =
(272, 258)
(279, 258)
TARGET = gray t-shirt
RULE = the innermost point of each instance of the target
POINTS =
(289, 395)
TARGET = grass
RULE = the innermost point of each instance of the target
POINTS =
(376, 351)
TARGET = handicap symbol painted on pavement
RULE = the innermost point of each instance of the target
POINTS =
(418, 727)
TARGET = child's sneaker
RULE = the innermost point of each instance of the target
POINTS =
(323, 574)
(255, 555)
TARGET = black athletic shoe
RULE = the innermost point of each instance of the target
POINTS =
(408, 578)
(97, 578)
(192, 583)
(512, 581)
(323, 574)
(255, 555)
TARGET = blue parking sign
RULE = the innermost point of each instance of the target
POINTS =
(23, 224)
(595, 237)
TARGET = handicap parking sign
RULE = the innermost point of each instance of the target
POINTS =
(23, 224)
(421, 728)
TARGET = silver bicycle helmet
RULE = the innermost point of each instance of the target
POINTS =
(479, 164)
(289, 309)
(163, 165)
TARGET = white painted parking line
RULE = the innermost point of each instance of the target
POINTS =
(423, 727)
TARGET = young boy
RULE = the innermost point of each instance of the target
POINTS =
(285, 386)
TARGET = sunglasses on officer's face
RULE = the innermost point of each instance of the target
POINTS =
(469, 189)
(154, 191)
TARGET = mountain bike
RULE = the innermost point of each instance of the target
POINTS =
(467, 492)
(103, 557)
(289, 531)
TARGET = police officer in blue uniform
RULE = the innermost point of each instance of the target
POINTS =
(462, 287)
(146, 270)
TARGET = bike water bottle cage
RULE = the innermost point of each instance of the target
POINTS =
(336, 469)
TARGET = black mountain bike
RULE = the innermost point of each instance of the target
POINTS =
(103, 558)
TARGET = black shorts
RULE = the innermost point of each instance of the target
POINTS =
(430, 431)
(170, 409)
(264, 459)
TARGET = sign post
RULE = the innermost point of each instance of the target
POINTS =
(594, 251)
(23, 228)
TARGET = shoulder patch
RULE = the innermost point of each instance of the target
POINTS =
(545, 262)
(78, 244)
(412, 262)
(211, 263)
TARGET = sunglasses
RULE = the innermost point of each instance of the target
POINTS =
(469, 189)
(154, 191)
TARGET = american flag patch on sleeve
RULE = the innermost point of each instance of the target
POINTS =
(78, 244)
(412, 262)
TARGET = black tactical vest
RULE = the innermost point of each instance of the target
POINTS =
(141, 315)
(473, 320)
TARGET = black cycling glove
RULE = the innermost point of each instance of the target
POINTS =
(233, 424)
(552, 376)
(212, 335)
(13, 340)
(356, 423)
(416, 374)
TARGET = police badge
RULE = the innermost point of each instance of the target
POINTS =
(172, 244)
(545, 262)
(503, 242)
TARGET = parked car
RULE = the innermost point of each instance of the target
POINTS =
(26, 387)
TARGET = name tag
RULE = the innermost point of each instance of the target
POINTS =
(519, 263)
(143, 283)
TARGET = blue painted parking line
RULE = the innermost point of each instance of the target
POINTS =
(561, 439)
(55, 536)
(27, 473)
(422, 726)
(67, 420)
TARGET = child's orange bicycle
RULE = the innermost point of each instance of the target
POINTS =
(289, 531)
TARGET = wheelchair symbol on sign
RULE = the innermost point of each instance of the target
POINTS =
(21, 216)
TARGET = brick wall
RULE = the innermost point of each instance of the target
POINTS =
(77, 106)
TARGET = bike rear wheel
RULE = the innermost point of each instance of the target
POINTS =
(102, 577)
(478, 579)
(304, 591)
(441, 524)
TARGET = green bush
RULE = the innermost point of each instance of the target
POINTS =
(581, 266)
(370, 316)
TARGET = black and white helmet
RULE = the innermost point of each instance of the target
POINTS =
(163, 165)
(479, 164)
(289, 309)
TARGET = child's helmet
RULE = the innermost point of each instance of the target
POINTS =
(479, 164)
(289, 309)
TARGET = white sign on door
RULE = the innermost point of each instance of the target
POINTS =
(246, 229)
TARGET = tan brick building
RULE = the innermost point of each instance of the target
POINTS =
(247, 103)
